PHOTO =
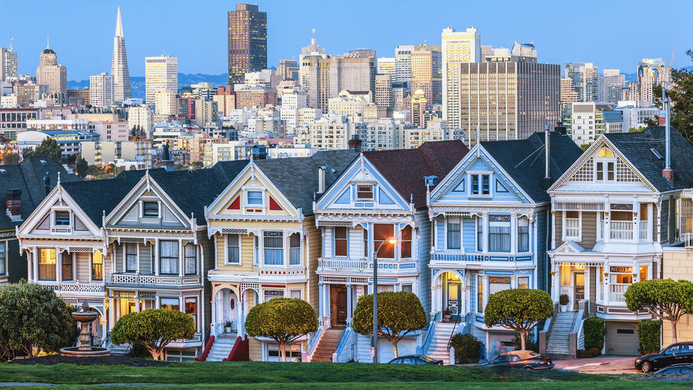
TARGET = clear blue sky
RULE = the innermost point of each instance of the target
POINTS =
(612, 34)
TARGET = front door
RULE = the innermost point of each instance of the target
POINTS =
(338, 305)
(579, 291)
(454, 300)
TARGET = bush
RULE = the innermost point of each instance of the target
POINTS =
(563, 299)
(531, 344)
(467, 348)
(649, 333)
(594, 329)
(590, 353)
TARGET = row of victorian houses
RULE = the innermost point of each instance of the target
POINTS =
(506, 214)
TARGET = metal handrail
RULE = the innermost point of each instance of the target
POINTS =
(313, 343)
(429, 333)
(454, 328)
(343, 339)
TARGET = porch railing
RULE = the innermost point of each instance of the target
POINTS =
(477, 257)
(621, 230)
(74, 287)
(153, 279)
(617, 291)
(364, 265)
(687, 239)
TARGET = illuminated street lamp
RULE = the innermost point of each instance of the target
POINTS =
(374, 341)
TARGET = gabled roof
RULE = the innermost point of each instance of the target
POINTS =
(637, 148)
(405, 169)
(297, 178)
(28, 177)
(524, 160)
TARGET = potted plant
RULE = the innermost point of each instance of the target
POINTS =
(563, 301)
(447, 314)
(227, 326)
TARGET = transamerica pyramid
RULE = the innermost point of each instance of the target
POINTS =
(119, 67)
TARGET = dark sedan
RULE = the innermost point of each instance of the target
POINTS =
(677, 369)
(415, 359)
(673, 354)
(528, 360)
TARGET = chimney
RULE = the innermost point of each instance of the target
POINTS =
(547, 145)
(355, 143)
(14, 204)
(47, 182)
(321, 179)
(667, 172)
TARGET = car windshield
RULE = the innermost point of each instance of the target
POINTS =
(671, 350)
(425, 358)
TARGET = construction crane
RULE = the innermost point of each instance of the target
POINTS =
(671, 62)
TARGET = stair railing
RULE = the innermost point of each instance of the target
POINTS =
(454, 328)
(205, 352)
(344, 340)
(429, 335)
(313, 343)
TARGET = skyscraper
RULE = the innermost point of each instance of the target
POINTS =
(585, 78)
(651, 73)
(119, 65)
(327, 77)
(611, 86)
(101, 90)
(403, 63)
(457, 48)
(50, 74)
(161, 75)
(426, 73)
(247, 41)
(8, 63)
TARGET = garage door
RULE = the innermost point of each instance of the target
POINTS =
(622, 338)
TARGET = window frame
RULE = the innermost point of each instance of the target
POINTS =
(449, 233)
(507, 234)
(340, 240)
(3, 257)
(71, 262)
(294, 250)
(96, 264)
(480, 184)
(145, 211)
(161, 258)
(63, 222)
(265, 248)
(55, 259)
(227, 246)
(523, 238)
(247, 198)
(187, 258)
(358, 197)
(127, 254)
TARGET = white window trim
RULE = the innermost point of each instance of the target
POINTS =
(334, 242)
(262, 250)
(53, 215)
(605, 161)
(247, 190)
(481, 184)
(564, 227)
(374, 188)
(300, 249)
(226, 250)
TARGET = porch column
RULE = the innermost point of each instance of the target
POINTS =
(157, 302)
(213, 304)
(607, 221)
(181, 272)
(111, 313)
(137, 301)
(588, 286)
(58, 262)
(156, 257)
(484, 233)
(349, 304)
(555, 278)
(650, 221)
(607, 289)
(513, 233)
(636, 221)
(321, 300)
(36, 260)
(29, 266)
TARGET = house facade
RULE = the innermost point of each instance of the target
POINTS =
(490, 220)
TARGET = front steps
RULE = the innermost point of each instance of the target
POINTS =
(327, 345)
(223, 344)
(558, 342)
(438, 349)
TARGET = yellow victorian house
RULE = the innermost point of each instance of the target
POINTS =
(267, 245)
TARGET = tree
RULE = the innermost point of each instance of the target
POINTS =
(48, 148)
(153, 328)
(519, 310)
(137, 131)
(10, 158)
(636, 130)
(681, 94)
(93, 170)
(33, 318)
(666, 299)
(82, 167)
(283, 320)
(399, 313)
(584, 147)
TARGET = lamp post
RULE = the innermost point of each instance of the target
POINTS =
(374, 340)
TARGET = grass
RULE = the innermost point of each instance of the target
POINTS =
(258, 375)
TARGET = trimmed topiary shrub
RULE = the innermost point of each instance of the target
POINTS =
(594, 329)
(649, 333)
(519, 310)
(467, 348)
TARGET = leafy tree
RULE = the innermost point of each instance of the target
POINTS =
(93, 170)
(636, 130)
(33, 318)
(681, 94)
(10, 158)
(666, 299)
(153, 328)
(82, 167)
(584, 147)
(399, 313)
(283, 320)
(48, 148)
(519, 310)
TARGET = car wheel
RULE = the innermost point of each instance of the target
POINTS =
(528, 368)
(646, 367)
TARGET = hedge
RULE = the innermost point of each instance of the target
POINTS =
(594, 329)
(467, 348)
(649, 334)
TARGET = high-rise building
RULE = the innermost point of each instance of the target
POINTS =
(247, 38)
(327, 77)
(418, 105)
(383, 90)
(458, 47)
(651, 73)
(568, 95)
(426, 72)
(585, 77)
(161, 75)
(119, 65)
(360, 53)
(8, 63)
(50, 74)
(388, 66)
(142, 117)
(403, 63)
(508, 100)
(288, 69)
(308, 53)
(101, 90)
(611, 86)
(165, 102)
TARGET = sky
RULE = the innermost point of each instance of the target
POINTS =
(611, 34)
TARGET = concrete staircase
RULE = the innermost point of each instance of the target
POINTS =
(327, 345)
(221, 348)
(363, 349)
(438, 349)
(558, 342)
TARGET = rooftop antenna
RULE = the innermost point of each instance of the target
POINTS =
(312, 37)
(11, 39)
(48, 40)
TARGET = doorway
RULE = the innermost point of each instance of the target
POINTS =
(227, 308)
(579, 291)
(338, 305)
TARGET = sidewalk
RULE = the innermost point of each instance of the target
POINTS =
(598, 365)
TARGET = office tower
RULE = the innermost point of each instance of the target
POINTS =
(585, 77)
(119, 65)
(524, 52)
(292, 101)
(387, 65)
(611, 86)
(142, 117)
(426, 72)
(8, 63)
(161, 75)
(417, 107)
(288, 70)
(50, 74)
(458, 47)
(165, 102)
(101, 90)
(403, 63)
(327, 77)
(383, 90)
(308, 53)
(568, 95)
(508, 100)
(651, 73)
(247, 41)
(360, 53)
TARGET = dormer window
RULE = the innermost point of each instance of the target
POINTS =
(364, 191)
(150, 209)
(605, 166)
(62, 218)
(255, 198)
(481, 184)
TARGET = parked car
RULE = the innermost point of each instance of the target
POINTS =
(528, 360)
(415, 359)
(682, 368)
(673, 354)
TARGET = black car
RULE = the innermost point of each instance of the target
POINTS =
(682, 368)
(673, 354)
(528, 360)
(415, 359)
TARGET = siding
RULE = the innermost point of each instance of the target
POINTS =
(118, 252)
(664, 225)
(440, 232)
(593, 288)
(589, 230)
(17, 262)
(145, 259)
(424, 253)
(313, 252)
(540, 248)
(558, 218)
(356, 243)
(83, 265)
(672, 220)
(469, 234)
(207, 247)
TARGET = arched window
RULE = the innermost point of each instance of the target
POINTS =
(605, 153)
(605, 166)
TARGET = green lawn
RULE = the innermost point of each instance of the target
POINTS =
(316, 375)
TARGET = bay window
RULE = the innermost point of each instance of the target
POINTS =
(523, 234)
(405, 243)
(498, 284)
(168, 257)
(233, 249)
(97, 266)
(381, 233)
(66, 267)
(454, 233)
(191, 308)
(479, 234)
(295, 249)
(170, 303)
(130, 257)
(499, 233)
(274, 248)
(480, 294)
(341, 241)
(46, 266)
(190, 260)
(365, 243)
(643, 273)
(523, 282)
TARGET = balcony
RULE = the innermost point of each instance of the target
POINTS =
(616, 292)
(157, 281)
(74, 287)
(478, 257)
(622, 230)
(363, 265)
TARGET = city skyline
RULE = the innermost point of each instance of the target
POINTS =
(286, 36)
